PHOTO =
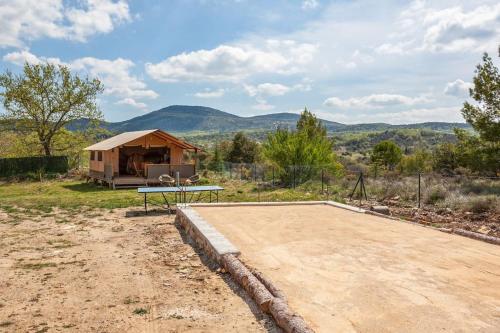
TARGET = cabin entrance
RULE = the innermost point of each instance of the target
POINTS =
(133, 158)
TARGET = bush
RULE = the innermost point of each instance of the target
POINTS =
(482, 204)
(22, 166)
(435, 194)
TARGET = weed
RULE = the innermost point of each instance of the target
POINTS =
(141, 311)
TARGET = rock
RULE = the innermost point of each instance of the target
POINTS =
(484, 229)
(380, 209)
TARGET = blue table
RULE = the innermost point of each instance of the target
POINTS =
(180, 193)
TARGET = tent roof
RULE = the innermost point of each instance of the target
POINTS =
(126, 137)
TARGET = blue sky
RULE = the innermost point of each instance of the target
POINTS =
(347, 61)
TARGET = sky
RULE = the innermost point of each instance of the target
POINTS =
(360, 61)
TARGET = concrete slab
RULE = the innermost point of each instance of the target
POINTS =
(349, 272)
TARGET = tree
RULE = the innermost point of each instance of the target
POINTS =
(46, 97)
(242, 150)
(444, 157)
(419, 161)
(216, 163)
(477, 154)
(387, 154)
(310, 125)
(298, 154)
(485, 117)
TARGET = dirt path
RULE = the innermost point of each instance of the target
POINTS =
(350, 272)
(106, 272)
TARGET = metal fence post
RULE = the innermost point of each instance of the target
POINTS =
(322, 183)
(273, 177)
(419, 190)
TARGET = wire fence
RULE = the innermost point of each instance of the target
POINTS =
(417, 190)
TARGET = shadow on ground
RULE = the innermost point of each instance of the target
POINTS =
(86, 187)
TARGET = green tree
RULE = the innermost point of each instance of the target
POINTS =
(387, 154)
(216, 163)
(298, 154)
(444, 157)
(477, 154)
(45, 97)
(310, 125)
(242, 150)
(419, 161)
(485, 116)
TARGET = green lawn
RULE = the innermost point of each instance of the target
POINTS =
(77, 195)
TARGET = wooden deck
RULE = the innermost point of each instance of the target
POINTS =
(128, 181)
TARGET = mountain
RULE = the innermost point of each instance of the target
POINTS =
(185, 119)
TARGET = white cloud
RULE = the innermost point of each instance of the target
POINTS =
(267, 89)
(234, 63)
(114, 74)
(263, 106)
(310, 4)
(210, 93)
(397, 48)
(458, 88)
(132, 102)
(418, 115)
(373, 101)
(274, 89)
(22, 21)
(449, 29)
(19, 58)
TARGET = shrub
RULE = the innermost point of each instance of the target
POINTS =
(482, 204)
(20, 166)
(435, 194)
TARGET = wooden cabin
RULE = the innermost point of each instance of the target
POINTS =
(138, 158)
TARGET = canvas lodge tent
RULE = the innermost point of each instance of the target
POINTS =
(138, 158)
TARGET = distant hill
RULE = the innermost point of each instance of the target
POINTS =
(188, 119)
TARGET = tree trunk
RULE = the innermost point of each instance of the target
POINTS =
(46, 148)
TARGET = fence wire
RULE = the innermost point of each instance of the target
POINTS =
(419, 189)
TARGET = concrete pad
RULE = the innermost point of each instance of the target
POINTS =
(344, 271)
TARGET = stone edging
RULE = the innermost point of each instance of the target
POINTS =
(269, 298)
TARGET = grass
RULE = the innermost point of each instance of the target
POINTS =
(78, 196)
(68, 194)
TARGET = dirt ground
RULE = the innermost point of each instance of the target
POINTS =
(350, 272)
(487, 223)
(113, 271)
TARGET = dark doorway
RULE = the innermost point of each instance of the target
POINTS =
(132, 159)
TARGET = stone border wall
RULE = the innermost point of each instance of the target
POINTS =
(267, 296)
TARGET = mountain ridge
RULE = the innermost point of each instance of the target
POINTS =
(187, 118)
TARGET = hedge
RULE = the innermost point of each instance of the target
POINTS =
(19, 166)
